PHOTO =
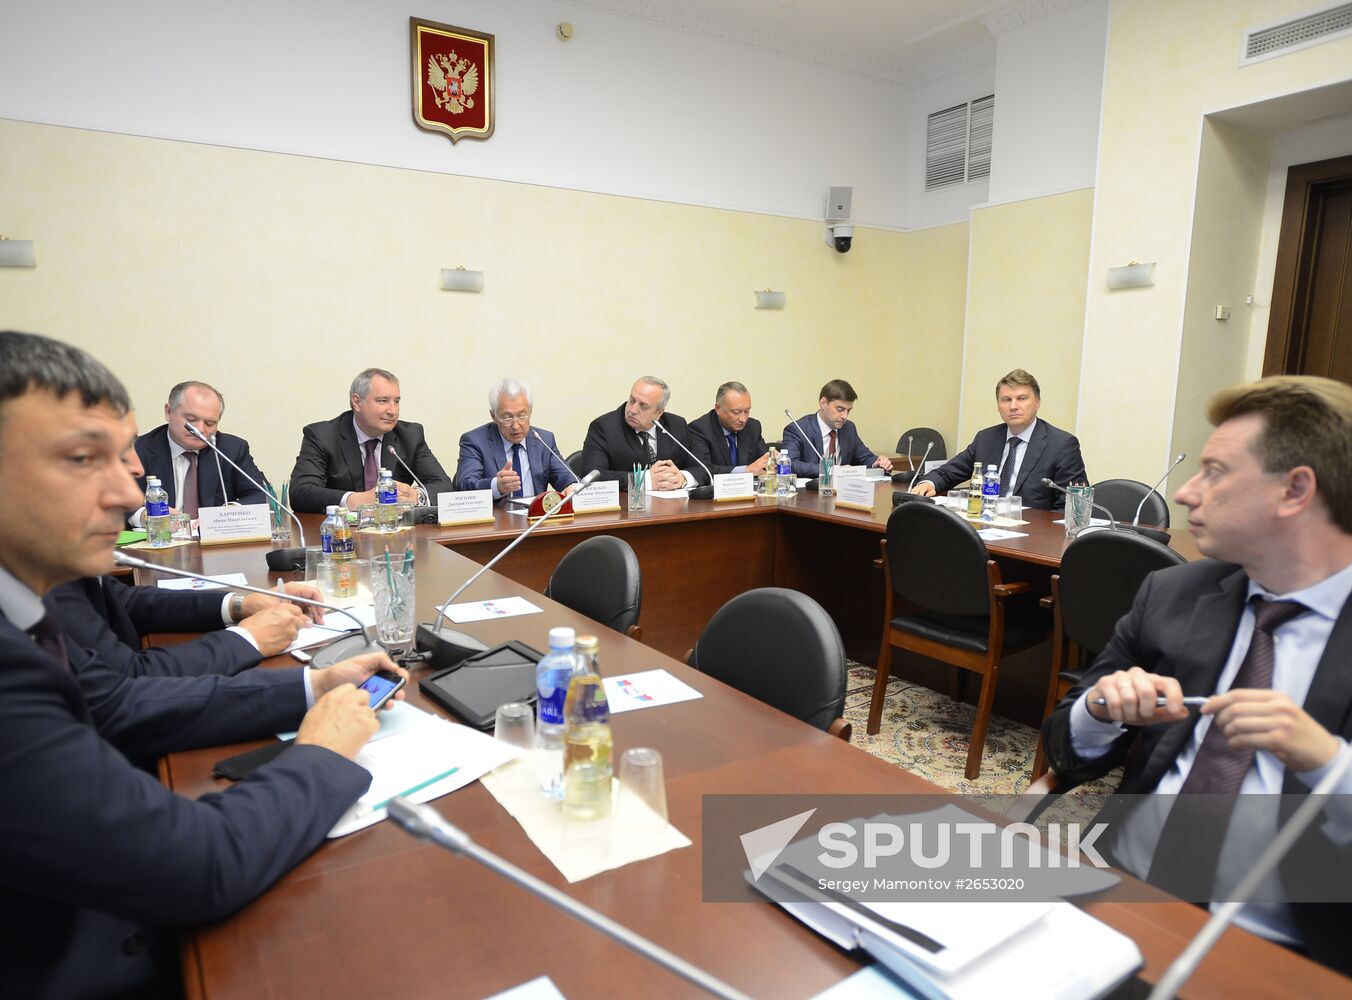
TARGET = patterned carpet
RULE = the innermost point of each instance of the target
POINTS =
(928, 733)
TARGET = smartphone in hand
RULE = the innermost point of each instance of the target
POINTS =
(381, 686)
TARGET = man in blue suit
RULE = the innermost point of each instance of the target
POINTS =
(1025, 449)
(100, 857)
(830, 430)
(186, 467)
(505, 456)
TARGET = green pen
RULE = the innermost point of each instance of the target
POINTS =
(416, 788)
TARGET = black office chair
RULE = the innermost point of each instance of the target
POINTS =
(919, 438)
(575, 463)
(600, 578)
(945, 599)
(806, 677)
(1099, 576)
(1123, 496)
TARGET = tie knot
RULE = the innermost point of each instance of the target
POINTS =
(1269, 615)
(191, 456)
(1014, 443)
(370, 445)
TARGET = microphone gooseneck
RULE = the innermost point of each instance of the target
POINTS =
(685, 449)
(194, 432)
(928, 448)
(794, 424)
(536, 435)
(909, 464)
(416, 481)
(1135, 521)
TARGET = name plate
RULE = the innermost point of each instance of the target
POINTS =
(598, 496)
(465, 507)
(851, 472)
(227, 525)
(735, 486)
(856, 492)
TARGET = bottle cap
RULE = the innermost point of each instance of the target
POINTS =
(331, 509)
(152, 480)
(384, 473)
(562, 637)
(588, 644)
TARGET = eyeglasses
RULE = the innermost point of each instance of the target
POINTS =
(510, 419)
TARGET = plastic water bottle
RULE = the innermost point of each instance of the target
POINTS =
(326, 532)
(588, 754)
(343, 553)
(770, 480)
(159, 532)
(785, 474)
(387, 502)
(552, 675)
(990, 492)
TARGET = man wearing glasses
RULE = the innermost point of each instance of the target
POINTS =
(504, 455)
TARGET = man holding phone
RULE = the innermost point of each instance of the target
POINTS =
(101, 858)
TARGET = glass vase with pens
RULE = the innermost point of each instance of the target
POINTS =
(281, 520)
(393, 593)
(638, 487)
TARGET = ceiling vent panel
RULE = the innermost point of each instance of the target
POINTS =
(1296, 33)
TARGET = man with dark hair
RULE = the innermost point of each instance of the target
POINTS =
(728, 438)
(629, 436)
(98, 854)
(830, 431)
(1024, 448)
(190, 473)
(1264, 627)
(340, 459)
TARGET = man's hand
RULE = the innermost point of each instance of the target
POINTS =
(884, 463)
(341, 721)
(509, 481)
(254, 603)
(665, 476)
(570, 489)
(353, 671)
(407, 493)
(275, 627)
(757, 468)
(1130, 696)
(924, 488)
(355, 500)
(1262, 719)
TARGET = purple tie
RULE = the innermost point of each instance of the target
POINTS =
(50, 640)
(372, 470)
(190, 505)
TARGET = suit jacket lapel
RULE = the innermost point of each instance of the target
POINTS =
(1210, 635)
(1330, 696)
(352, 453)
(1031, 457)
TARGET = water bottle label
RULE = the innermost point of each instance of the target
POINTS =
(157, 508)
(341, 545)
(990, 488)
(388, 496)
(327, 542)
(551, 706)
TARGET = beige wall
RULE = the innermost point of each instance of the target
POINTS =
(1170, 62)
(1025, 304)
(277, 277)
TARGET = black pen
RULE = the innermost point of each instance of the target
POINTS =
(1192, 701)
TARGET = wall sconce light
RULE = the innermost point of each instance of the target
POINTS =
(769, 300)
(1132, 275)
(457, 279)
(17, 253)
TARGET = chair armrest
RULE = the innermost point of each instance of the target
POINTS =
(1010, 589)
(841, 729)
(1048, 602)
(878, 563)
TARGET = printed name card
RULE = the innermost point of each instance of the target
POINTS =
(596, 497)
(856, 492)
(465, 507)
(851, 472)
(735, 486)
(230, 524)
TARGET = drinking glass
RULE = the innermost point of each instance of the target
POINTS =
(392, 590)
(643, 791)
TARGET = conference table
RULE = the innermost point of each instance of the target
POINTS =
(379, 913)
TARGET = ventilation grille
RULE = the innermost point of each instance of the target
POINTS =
(958, 143)
(1298, 33)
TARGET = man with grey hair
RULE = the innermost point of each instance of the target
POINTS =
(728, 438)
(340, 459)
(630, 436)
(505, 455)
(191, 475)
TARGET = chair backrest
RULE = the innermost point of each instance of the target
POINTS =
(1123, 496)
(1100, 575)
(919, 438)
(600, 578)
(937, 561)
(780, 647)
(575, 463)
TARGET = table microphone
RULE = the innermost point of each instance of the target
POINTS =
(900, 497)
(446, 647)
(900, 477)
(696, 492)
(423, 513)
(1136, 521)
(794, 424)
(426, 823)
(1112, 521)
(279, 560)
(1191, 957)
(370, 645)
(909, 463)
(536, 434)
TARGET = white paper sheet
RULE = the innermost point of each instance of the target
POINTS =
(335, 625)
(646, 689)
(223, 581)
(998, 534)
(479, 611)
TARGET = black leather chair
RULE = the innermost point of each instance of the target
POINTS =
(1123, 496)
(600, 578)
(1099, 576)
(806, 678)
(575, 463)
(945, 599)
(920, 437)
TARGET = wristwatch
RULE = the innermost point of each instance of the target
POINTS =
(237, 608)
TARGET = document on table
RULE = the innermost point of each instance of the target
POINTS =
(335, 624)
(998, 534)
(646, 689)
(1098, 522)
(669, 494)
(480, 611)
(220, 582)
(421, 762)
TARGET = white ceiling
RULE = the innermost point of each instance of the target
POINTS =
(900, 40)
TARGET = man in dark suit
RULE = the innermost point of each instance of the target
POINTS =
(630, 436)
(829, 431)
(187, 469)
(340, 458)
(505, 456)
(99, 855)
(1264, 627)
(1042, 451)
(728, 438)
